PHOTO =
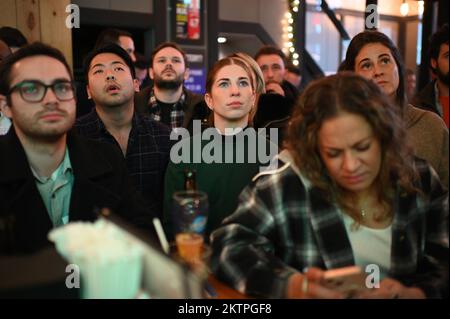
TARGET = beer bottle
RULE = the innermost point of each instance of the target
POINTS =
(190, 182)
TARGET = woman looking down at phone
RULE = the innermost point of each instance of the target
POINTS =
(348, 191)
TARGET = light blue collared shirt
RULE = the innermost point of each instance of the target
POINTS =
(56, 191)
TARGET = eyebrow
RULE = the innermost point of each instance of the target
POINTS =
(380, 56)
(103, 65)
(38, 80)
(355, 144)
(227, 79)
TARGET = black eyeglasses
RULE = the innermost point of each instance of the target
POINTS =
(34, 91)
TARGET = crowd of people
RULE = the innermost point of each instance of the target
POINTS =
(360, 175)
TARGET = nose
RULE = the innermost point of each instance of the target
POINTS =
(50, 98)
(351, 162)
(378, 70)
(110, 76)
(234, 90)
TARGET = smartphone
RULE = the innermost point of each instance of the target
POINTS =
(349, 280)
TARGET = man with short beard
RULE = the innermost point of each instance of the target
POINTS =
(434, 96)
(48, 175)
(144, 143)
(168, 101)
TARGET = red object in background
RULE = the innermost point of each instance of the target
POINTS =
(193, 17)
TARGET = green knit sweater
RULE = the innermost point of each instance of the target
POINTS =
(223, 182)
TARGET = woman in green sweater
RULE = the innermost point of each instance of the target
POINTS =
(226, 156)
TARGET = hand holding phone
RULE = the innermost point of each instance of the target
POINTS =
(348, 280)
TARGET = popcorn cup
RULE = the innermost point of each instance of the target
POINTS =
(110, 265)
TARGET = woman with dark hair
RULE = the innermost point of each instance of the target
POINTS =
(348, 192)
(374, 56)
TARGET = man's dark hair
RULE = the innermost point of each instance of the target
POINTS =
(109, 48)
(34, 49)
(13, 37)
(168, 45)
(109, 36)
(269, 50)
(141, 61)
(437, 39)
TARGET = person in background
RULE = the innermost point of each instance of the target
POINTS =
(347, 192)
(293, 76)
(168, 101)
(434, 96)
(120, 37)
(51, 176)
(374, 56)
(13, 38)
(230, 94)
(5, 122)
(144, 144)
(272, 62)
(141, 69)
(410, 83)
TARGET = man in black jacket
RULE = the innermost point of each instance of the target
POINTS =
(49, 176)
(434, 96)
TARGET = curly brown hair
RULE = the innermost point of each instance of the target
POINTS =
(350, 93)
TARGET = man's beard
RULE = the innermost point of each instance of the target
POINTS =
(174, 84)
(443, 77)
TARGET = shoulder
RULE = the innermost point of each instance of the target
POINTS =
(428, 177)
(87, 123)
(281, 179)
(154, 127)
(416, 116)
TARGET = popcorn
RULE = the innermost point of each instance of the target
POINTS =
(110, 264)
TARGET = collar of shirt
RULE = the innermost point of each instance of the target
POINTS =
(437, 99)
(62, 170)
(177, 110)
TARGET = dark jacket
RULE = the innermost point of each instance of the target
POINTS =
(100, 180)
(194, 109)
(426, 99)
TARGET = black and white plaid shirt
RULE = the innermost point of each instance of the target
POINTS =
(284, 224)
(176, 111)
(147, 152)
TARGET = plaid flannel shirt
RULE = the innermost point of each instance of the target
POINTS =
(284, 224)
(176, 113)
(147, 153)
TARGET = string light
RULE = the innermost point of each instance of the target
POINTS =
(288, 32)
(404, 8)
(421, 7)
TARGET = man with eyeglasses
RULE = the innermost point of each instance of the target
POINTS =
(48, 175)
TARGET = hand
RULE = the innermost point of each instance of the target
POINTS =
(275, 88)
(312, 289)
(391, 289)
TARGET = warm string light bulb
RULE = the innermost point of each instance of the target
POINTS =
(421, 7)
(288, 32)
(404, 8)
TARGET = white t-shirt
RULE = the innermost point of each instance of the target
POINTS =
(370, 246)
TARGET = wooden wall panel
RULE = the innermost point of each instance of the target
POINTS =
(28, 19)
(8, 15)
(53, 26)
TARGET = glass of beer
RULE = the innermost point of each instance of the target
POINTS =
(190, 214)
